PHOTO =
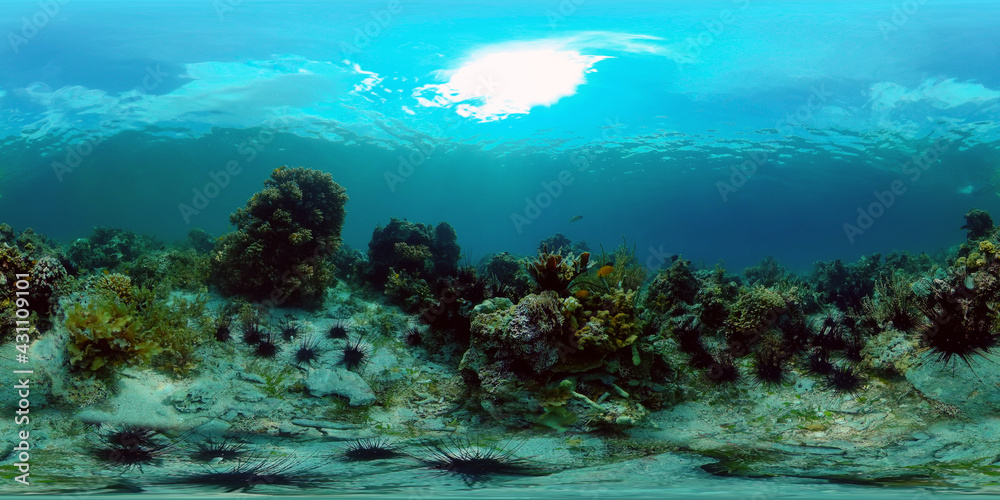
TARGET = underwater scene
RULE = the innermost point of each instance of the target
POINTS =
(522, 249)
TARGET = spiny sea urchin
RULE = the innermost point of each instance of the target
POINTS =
(289, 331)
(307, 351)
(227, 448)
(266, 347)
(130, 447)
(769, 369)
(843, 380)
(354, 354)
(223, 329)
(476, 462)
(363, 450)
(338, 330)
(723, 371)
(413, 337)
(252, 332)
(246, 475)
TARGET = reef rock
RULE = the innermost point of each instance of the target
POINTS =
(340, 382)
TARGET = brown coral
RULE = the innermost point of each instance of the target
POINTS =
(554, 272)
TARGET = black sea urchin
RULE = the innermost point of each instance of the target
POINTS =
(290, 331)
(130, 447)
(769, 369)
(354, 355)
(413, 337)
(220, 449)
(223, 329)
(338, 330)
(843, 381)
(266, 347)
(475, 463)
(371, 449)
(307, 351)
(246, 475)
(252, 332)
(723, 372)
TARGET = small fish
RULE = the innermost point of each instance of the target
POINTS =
(604, 271)
(674, 257)
(582, 294)
(575, 218)
(106, 272)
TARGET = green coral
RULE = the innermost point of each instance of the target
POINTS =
(755, 310)
(285, 234)
(673, 286)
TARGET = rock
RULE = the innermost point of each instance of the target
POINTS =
(957, 384)
(340, 382)
(252, 377)
(200, 396)
(249, 395)
(323, 424)
(490, 306)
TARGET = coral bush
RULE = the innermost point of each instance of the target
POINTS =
(107, 248)
(847, 285)
(418, 249)
(505, 276)
(978, 223)
(284, 236)
(672, 286)
(561, 245)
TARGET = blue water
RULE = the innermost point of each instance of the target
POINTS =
(838, 95)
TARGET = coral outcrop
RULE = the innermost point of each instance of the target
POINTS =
(284, 236)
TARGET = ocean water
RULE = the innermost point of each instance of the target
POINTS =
(713, 134)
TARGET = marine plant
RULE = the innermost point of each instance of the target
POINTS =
(109, 333)
(284, 236)
(419, 250)
(620, 269)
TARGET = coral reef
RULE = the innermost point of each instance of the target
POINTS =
(420, 250)
(284, 236)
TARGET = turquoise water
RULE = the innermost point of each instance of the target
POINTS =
(718, 132)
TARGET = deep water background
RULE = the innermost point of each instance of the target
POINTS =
(647, 138)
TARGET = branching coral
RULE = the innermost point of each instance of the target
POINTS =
(284, 236)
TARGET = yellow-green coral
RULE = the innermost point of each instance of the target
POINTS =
(116, 285)
(753, 309)
(109, 333)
